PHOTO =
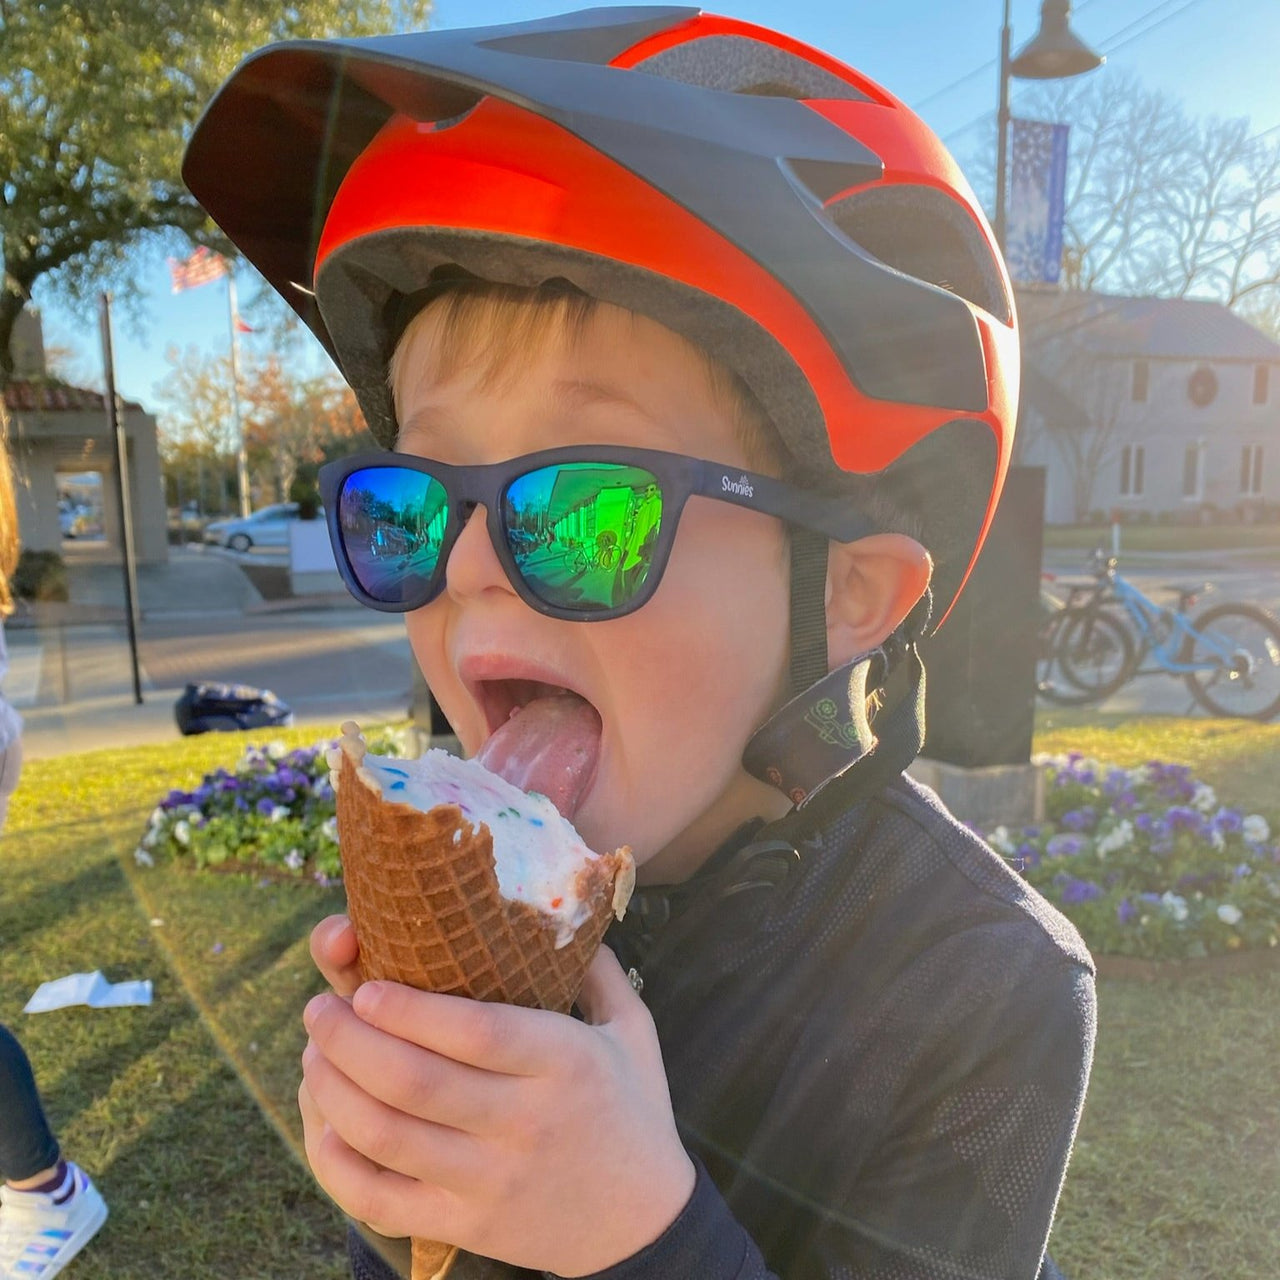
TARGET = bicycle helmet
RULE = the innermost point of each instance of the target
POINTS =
(766, 201)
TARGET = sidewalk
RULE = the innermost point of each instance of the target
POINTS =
(71, 670)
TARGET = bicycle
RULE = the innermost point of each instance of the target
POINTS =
(593, 554)
(1229, 655)
(1099, 646)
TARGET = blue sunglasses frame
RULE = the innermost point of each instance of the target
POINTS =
(679, 478)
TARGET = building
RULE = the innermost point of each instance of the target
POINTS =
(1154, 408)
(57, 430)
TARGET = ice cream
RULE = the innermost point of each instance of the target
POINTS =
(459, 882)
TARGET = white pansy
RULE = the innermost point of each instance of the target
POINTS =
(329, 829)
(182, 832)
(157, 818)
(294, 860)
(277, 750)
(278, 812)
(1001, 841)
(143, 858)
(1205, 798)
(1174, 906)
(1217, 839)
(1139, 776)
(1117, 838)
(1229, 914)
(1256, 830)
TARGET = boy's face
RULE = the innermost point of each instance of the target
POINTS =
(681, 683)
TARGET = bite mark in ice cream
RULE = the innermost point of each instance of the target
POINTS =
(536, 852)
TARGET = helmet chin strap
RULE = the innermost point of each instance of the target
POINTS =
(824, 731)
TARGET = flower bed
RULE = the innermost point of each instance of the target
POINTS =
(1146, 862)
(272, 813)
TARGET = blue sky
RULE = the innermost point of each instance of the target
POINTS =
(1218, 56)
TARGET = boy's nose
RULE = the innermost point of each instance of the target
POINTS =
(473, 566)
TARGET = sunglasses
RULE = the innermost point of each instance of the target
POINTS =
(583, 533)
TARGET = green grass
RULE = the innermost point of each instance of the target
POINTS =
(146, 1098)
(1165, 537)
(189, 1104)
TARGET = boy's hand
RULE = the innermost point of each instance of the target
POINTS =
(517, 1134)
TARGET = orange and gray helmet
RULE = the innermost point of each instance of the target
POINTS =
(755, 195)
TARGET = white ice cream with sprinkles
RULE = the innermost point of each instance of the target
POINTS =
(537, 853)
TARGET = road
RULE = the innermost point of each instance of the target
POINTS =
(333, 660)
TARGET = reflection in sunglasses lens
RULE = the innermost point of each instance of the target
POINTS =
(393, 525)
(583, 534)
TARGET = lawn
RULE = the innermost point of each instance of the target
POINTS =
(1166, 537)
(185, 1113)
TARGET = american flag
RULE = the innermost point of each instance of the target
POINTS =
(1037, 197)
(202, 267)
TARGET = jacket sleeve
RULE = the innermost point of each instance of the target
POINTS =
(705, 1242)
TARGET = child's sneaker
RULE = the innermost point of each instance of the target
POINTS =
(40, 1234)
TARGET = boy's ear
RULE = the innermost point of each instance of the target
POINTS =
(872, 584)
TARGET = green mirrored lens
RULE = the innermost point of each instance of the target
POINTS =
(584, 534)
(393, 524)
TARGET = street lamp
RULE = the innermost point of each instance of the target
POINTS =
(1055, 53)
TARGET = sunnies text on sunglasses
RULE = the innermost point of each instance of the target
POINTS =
(583, 533)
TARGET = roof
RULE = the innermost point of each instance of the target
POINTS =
(1157, 328)
(51, 396)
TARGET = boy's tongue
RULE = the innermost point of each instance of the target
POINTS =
(549, 745)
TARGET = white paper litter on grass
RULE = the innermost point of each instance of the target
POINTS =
(87, 988)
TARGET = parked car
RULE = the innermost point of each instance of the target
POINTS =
(73, 519)
(267, 527)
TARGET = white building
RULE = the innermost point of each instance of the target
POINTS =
(57, 430)
(1156, 408)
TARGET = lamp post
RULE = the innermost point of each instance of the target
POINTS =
(1054, 53)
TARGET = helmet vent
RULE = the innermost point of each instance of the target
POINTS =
(926, 235)
(738, 64)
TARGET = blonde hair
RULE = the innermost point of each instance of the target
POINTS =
(499, 329)
(8, 524)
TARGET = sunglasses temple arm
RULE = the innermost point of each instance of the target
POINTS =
(838, 518)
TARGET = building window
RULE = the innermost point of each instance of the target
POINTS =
(1132, 465)
(1251, 470)
(1261, 376)
(1191, 471)
(1141, 379)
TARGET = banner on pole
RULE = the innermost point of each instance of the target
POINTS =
(1037, 201)
(202, 267)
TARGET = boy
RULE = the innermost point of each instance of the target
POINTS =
(686, 283)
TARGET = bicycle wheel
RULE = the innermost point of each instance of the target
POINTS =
(1244, 641)
(1095, 653)
(1050, 682)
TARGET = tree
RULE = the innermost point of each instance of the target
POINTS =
(195, 431)
(289, 423)
(294, 424)
(96, 104)
(1158, 203)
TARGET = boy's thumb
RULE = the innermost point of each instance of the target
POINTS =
(606, 992)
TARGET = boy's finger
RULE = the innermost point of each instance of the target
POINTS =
(421, 1149)
(335, 951)
(398, 1072)
(379, 1197)
(498, 1038)
(607, 993)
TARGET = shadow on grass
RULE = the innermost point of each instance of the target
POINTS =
(44, 904)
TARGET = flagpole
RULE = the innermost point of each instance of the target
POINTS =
(242, 456)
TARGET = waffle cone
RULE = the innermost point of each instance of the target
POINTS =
(423, 897)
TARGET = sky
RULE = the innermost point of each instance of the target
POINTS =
(1219, 57)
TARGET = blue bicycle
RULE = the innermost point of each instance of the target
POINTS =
(1229, 655)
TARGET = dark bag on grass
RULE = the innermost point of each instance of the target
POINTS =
(204, 707)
